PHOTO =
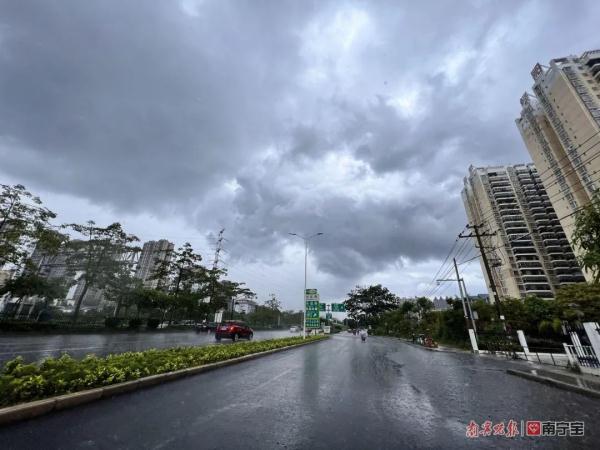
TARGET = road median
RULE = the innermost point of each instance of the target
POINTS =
(30, 390)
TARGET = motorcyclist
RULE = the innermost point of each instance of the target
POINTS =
(363, 335)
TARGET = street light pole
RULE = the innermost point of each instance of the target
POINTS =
(305, 239)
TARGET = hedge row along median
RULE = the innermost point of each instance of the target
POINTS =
(20, 382)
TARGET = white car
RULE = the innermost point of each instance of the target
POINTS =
(294, 329)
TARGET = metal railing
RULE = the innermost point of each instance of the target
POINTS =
(584, 355)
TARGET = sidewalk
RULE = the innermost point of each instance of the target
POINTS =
(559, 377)
(582, 383)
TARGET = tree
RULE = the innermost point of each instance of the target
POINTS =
(366, 304)
(578, 302)
(122, 288)
(184, 279)
(586, 236)
(100, 256)
(22, 219)
(273, 303)
(32, 284)
(49, 245)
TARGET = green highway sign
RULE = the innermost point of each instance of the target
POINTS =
(329, 316)
(312, 305)
(313, 323)
(338, 307)
(322, 306)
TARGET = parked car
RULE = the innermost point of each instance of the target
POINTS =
(294, 329)
(234, 330)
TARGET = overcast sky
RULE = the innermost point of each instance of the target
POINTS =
(357, 119)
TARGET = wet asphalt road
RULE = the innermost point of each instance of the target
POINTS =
(337, 394)
(35, 348)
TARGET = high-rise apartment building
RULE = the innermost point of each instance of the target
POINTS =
(560, 124)
(524, 241)
(153, 252)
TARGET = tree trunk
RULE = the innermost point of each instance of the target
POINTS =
(78, 302)
(118, 308)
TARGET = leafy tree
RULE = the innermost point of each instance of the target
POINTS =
(32, 284)
(578, 302)
(366, 304)
(22, 219)
(122, 288)
(185, 281)
(586, 236)
(423, 305)
(101, 256)
(273, 303)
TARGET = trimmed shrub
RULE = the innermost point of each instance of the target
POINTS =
(20, 382)
(134, 324)
(152, 324)
(112, 322)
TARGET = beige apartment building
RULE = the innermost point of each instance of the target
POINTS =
(525, 244)
(560, 125)
(153, 253)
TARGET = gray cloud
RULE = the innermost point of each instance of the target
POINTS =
(221, 115)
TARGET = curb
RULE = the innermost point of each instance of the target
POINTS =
(436, 349)
(38, 408)
(555, 383)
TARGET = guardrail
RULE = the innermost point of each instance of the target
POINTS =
(541, 355)
(583, 355)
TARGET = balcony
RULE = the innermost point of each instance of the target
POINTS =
(533, 264)
(529, 250)
(504, 194)
(509, 210)
(499, 183)
(550, 242)
(540, 216)
(512, 231)
(529, 279)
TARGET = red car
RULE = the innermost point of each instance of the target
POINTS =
(234, 330)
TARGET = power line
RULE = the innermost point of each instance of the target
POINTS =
(490, 214)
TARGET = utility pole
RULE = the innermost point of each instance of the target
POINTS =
(463, 294)
(215, 266)
(469, 304)
(486, 264)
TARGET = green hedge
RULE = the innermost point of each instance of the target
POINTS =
(20, 382)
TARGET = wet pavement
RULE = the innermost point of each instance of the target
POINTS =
(340, 394)
(37, 347)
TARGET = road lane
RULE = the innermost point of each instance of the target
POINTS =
(335, 394)
(37, 347)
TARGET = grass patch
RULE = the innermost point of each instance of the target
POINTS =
(20, 382)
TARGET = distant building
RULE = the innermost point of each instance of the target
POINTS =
(56, 266)
(245, 305)
(441, 303)
(525, 245)
(153, 253)
(560, 125)
(479, 297)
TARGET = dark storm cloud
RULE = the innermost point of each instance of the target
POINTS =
(214, 113)
(135, 103)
